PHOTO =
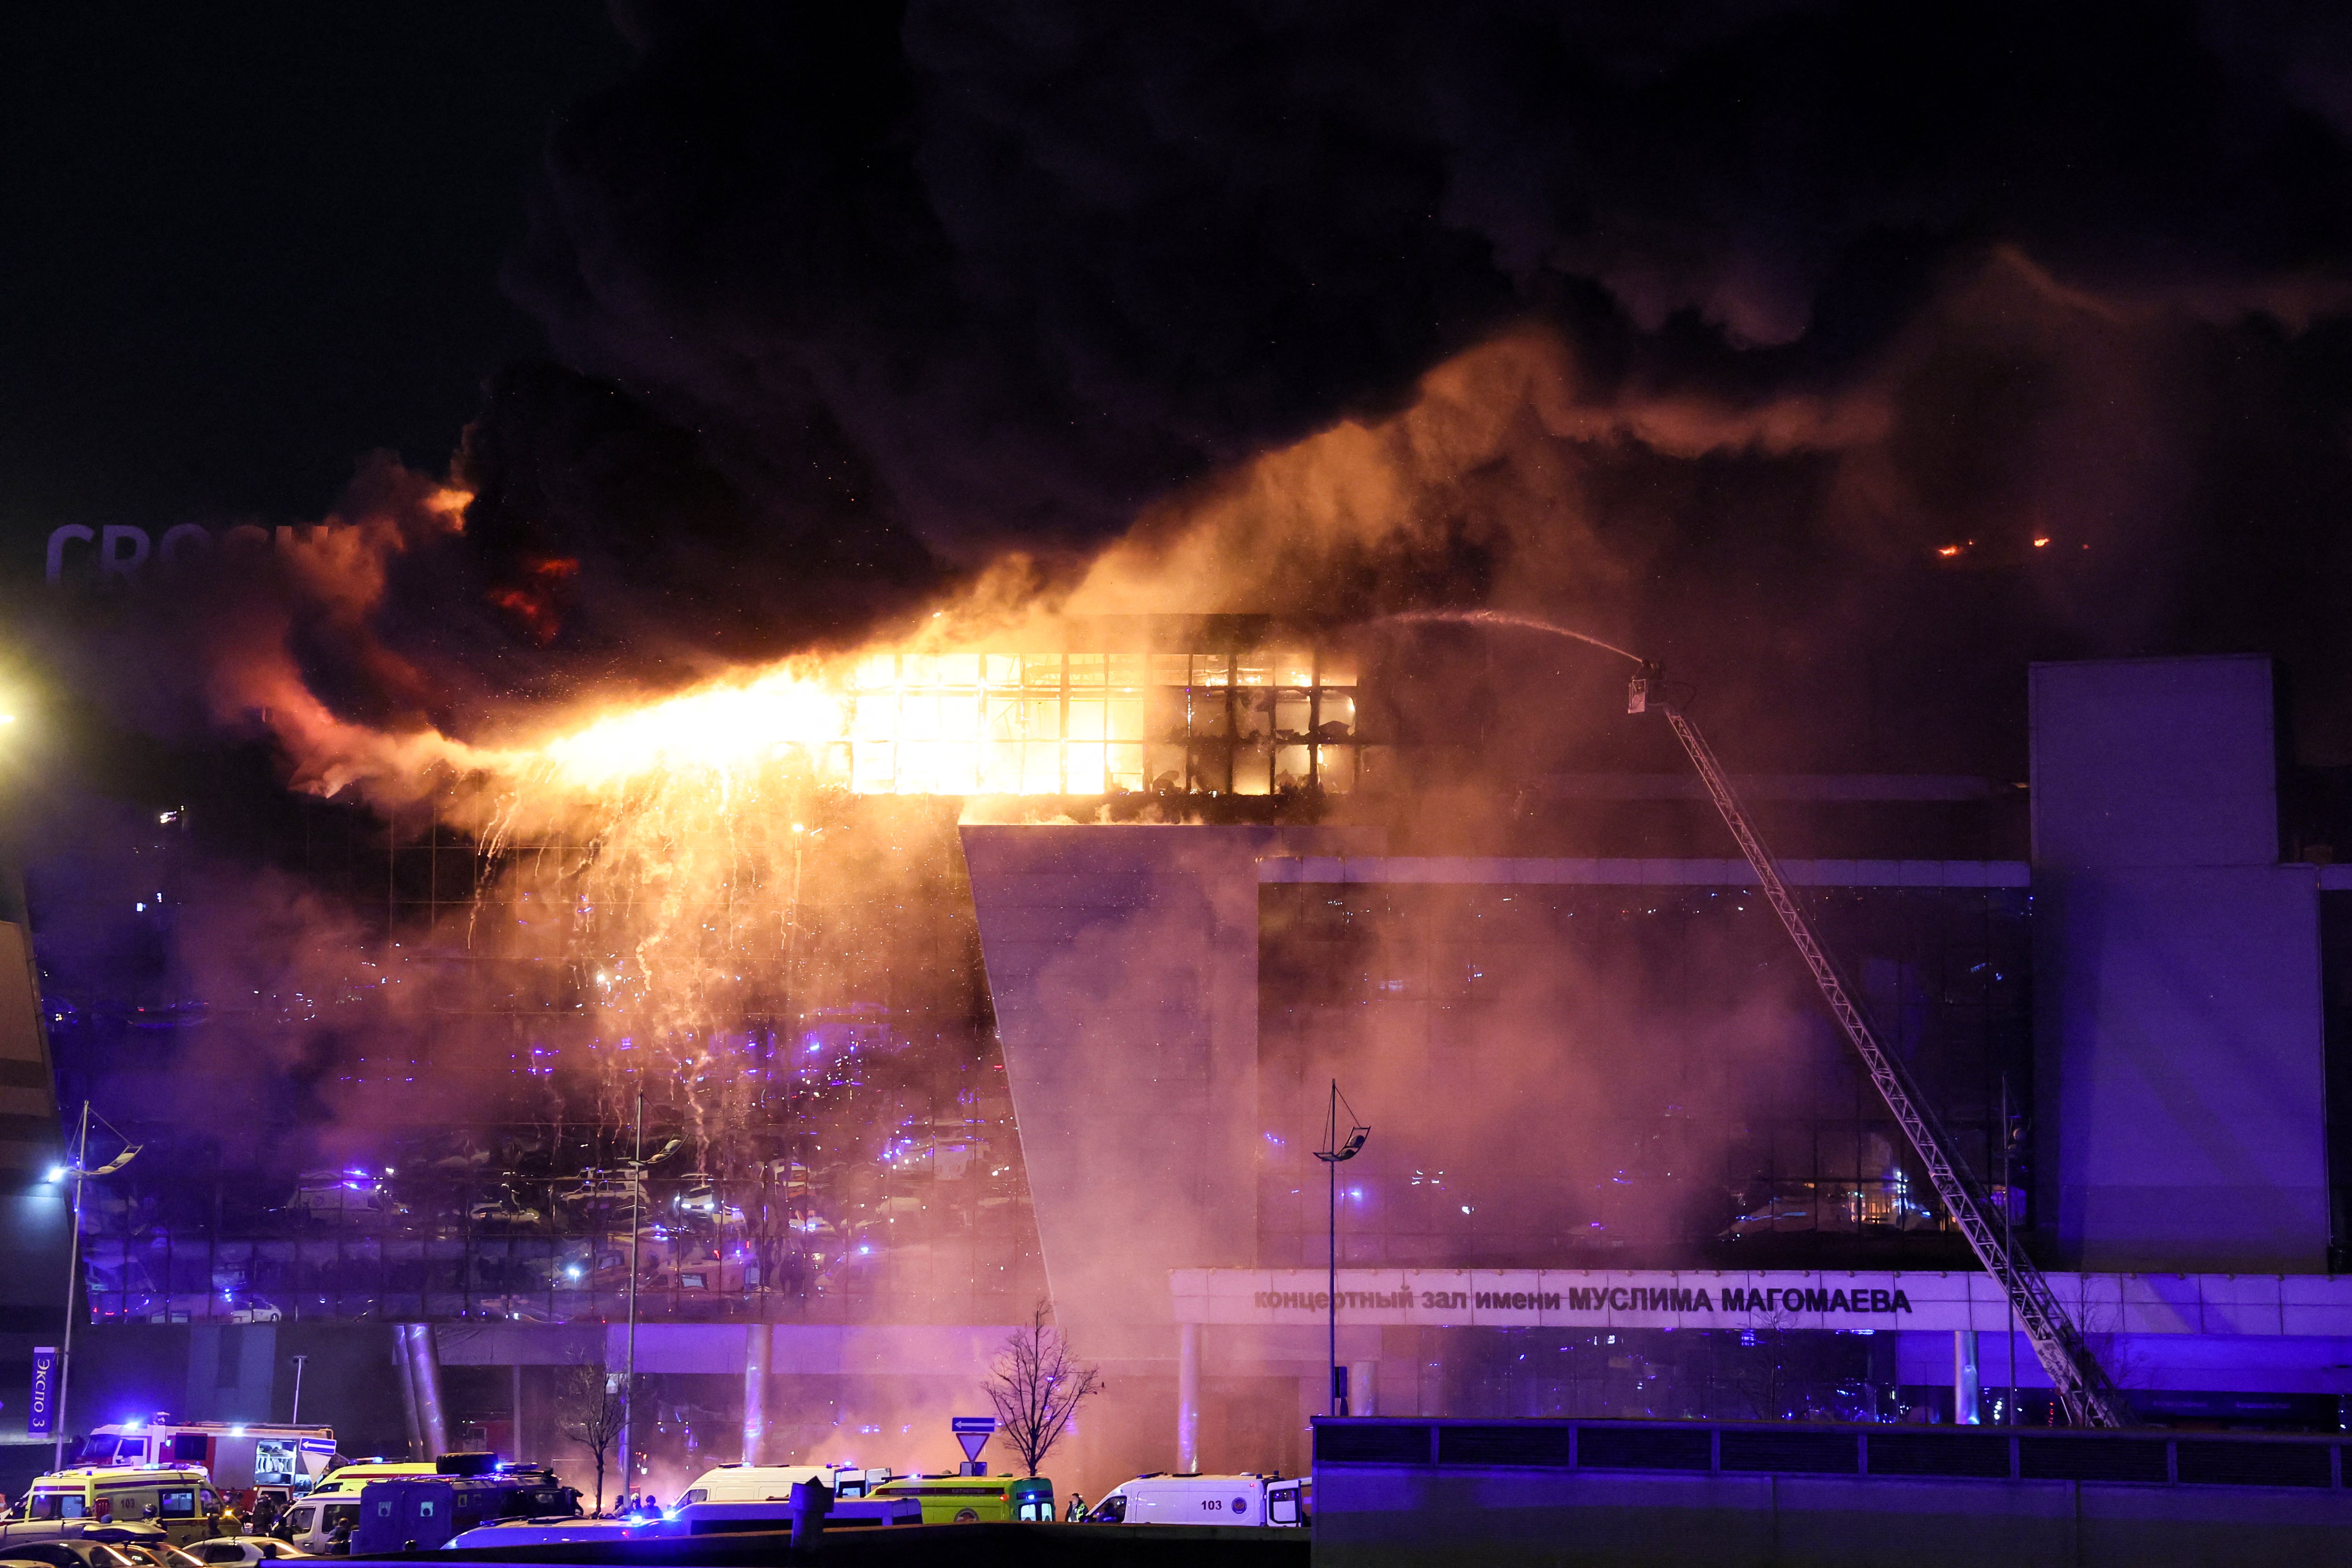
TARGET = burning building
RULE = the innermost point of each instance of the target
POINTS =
(750, 849)
(1024, 978)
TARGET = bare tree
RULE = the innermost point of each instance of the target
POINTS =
(593, 1413)
(1037, 1388)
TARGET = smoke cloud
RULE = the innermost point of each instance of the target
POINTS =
(1724, 320)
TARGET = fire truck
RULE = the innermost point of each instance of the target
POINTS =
(237, 1455)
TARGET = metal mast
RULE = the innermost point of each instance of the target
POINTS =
(1337, 1149)
(2091, 1396)
(636, 1226)
(73, 1286)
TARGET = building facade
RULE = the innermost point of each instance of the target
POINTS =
(1620, 1162)
(1606, 1106)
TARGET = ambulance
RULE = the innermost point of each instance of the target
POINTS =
(970, 1500)
(774, 1483)
(1281, 1502)
(178, 1500)
(336, 1500)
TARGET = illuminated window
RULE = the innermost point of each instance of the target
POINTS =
(1093, 722)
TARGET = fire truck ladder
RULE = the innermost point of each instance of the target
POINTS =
(2091, 1396)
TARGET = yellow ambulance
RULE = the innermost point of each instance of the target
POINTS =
(967, 1500)
(177, 1499)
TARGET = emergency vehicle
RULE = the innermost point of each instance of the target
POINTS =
(237, 1455)
(965, 1499)
(178, 1500)
(774, 1483)
(1251, 1500)
(412, 1513)
(336, 1501)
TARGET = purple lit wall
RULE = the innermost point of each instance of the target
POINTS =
(2177, 1025)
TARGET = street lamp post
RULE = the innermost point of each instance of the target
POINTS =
(294, 1417)
(1334, 1153)
(636, 1226)
(79, 1174)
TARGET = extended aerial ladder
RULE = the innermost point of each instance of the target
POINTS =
(2089, 1395)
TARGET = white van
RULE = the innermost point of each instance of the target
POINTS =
(774, 1483)
(1277, 1501)
(751, 1483)
(759, 1497)
(336, 1501)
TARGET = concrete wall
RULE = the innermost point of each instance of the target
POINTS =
(1733, 1495)
(2177, 975)
(1122, 963)
(29, 1136)
(34, 1229)
(1123, 966)
(1400, 1517)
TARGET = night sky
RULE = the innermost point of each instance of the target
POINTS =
(771, 320)
(245, 246)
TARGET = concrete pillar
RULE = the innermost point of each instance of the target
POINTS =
(1188, 1399)
(1363, 1396)
(424, 1378)
(406, 1375)
(757, 1339)
(1964, 1377)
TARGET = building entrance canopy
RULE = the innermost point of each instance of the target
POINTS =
(1658, 1298)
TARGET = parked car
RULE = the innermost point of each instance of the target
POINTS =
(619, 1186)
(353, 1196)
(232, 1549)
(82, 1543)
(504, 1208)
(701, 1201)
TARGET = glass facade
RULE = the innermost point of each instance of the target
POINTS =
(932, 1226)
(1264, 722)
(1631, 1077)
(433, 1119)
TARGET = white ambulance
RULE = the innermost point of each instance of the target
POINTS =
(774, 1483)
(335, 1500)
(1282, 1501)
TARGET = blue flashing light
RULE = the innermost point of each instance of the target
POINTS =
(57, 1173)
